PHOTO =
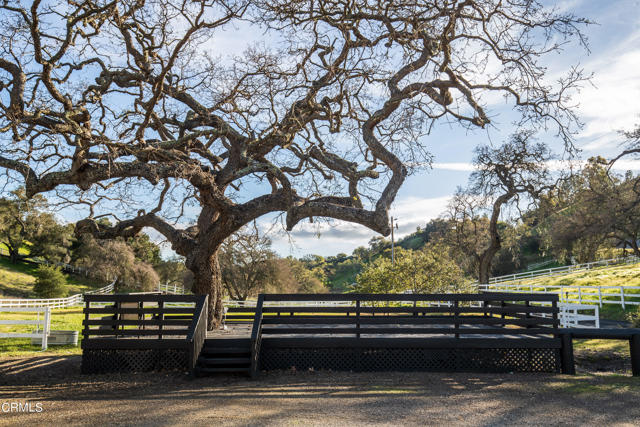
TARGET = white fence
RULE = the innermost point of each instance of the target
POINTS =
(43, 326)
(171, 289)
(568, 269)
(589, 294)
(53, 302)
(574, 316)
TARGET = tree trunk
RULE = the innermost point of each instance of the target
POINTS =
(207, 280)
(484, 269)
(14, 255)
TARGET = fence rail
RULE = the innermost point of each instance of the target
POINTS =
(42, 326)
(71, 301)
(568, 269)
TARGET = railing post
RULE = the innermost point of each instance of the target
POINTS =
(161, 318)
(634, 347)
(256, 335)
(456, 321)
(358, 318)
(568, 363)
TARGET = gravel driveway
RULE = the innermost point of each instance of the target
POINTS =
(313, 398)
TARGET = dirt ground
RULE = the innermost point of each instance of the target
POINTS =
(314, 398)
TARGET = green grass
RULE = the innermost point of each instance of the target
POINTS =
(597, 384)
(16, 280)
(617, 346)
(68, 319)
(22, 251)
(622, 275)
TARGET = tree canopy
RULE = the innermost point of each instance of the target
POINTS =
(122, 107)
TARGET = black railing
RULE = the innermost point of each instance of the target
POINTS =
(473, 332)
(128, 332)
(198, 331)
(256, 336)
(424, 314)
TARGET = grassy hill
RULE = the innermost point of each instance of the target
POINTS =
(622, 275)
(16, 280)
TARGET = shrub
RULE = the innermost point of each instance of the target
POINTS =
(50, 283)
(634, 318)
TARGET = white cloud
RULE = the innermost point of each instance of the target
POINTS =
(454, 166)
(611, 104)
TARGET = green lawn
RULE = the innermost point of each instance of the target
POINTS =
(622, 275)
(16, 280)
(61, 319)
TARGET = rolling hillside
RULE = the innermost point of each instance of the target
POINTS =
(621, 275)
(16, 280)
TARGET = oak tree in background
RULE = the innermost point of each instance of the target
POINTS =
(113, 259)
(429, 270)
(140, 110)
(247, 262)
(27, 229)
(504, 176)
(592, 209)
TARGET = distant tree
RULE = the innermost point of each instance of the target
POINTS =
(26, 225)
(429, 270)
(294, 276)
(50, 282)
(109, 260)
(144, 249)
(172, 271)
(591, 209)
(504, 176)
(247, 263)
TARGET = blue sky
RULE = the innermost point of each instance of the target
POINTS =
(609, 104)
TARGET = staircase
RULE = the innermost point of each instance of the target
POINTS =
(224, 355)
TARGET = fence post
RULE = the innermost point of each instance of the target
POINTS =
(45, 327)
(622, 296)
(600, 296)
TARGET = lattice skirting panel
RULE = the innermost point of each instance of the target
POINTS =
(107, 361)
(412, 359)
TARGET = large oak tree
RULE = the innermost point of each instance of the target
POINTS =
(144, 111)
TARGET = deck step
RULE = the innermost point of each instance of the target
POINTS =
(201, 371)
(225, 350)
(227, 342)
(224, 360)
